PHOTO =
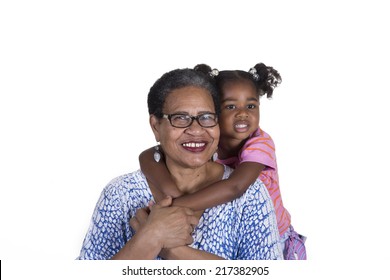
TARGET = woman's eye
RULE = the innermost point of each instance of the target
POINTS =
(180, 118)
(206, 117)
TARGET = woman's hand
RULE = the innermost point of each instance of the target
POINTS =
(171, 226)
(165, 226)
(179, 252)
(139, 219)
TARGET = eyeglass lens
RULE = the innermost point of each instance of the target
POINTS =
(182, 120)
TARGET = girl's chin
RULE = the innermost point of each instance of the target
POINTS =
(236, 136)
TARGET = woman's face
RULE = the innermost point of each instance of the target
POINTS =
(239, 111)
(192, 146)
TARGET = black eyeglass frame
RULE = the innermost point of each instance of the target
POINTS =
(169, 117)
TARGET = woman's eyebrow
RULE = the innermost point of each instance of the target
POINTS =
(179, 112)
(187, 113)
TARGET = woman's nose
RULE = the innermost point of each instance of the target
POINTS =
(195, 128)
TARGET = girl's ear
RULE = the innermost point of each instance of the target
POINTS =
(155, 125)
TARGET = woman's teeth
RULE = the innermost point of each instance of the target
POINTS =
(194, 145)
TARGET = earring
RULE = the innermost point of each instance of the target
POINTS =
(156, 155)
(215, 156)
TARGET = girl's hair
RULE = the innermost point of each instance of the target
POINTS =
(264, 78)
(177, 79)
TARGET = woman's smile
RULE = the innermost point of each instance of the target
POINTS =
(194, 147)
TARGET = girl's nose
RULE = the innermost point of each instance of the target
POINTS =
(242, 113)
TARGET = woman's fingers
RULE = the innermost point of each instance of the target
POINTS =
(172, 226)
(165, 202)
(193, 220)
(134, 224)
(139, 219)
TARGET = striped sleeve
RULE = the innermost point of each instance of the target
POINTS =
(259, 148)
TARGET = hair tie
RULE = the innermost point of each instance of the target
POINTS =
(214, 73)
(253, 72)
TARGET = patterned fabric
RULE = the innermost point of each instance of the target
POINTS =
(294, 246)
(244, 228)
(260, 148)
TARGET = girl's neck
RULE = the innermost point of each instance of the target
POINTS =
(189, 180)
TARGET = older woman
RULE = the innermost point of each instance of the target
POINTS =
(183, 107)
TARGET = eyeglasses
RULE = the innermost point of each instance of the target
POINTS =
(184, 120)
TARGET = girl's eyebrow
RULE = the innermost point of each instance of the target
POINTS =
(234, 99)
(228, 99)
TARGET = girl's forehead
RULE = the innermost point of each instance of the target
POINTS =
(235, 89)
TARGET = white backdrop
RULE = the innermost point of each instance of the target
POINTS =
(74, 76)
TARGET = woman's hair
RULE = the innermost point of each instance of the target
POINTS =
(177, 79)
(264, 78)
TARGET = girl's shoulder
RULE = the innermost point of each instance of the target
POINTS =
(258, 139)
(259, 133)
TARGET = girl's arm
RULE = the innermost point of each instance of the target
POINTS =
(217, 193)
(222, 191)
(158, 175)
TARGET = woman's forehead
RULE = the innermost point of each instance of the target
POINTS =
(189, 99)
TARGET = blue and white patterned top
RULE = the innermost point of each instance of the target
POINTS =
(244, 228)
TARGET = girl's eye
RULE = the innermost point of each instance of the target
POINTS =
(251, 106)
(230, 107)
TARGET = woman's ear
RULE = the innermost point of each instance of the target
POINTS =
(155, 125)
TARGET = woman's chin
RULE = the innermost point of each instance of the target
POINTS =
(195, 162)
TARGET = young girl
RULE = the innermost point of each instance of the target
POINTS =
(242, 146)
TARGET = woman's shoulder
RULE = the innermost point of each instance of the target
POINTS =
(127, 178)
(129, 191)
(126, 183)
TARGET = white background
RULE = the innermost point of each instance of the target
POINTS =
(74, 77)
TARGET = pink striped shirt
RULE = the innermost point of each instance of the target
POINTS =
(260, 148)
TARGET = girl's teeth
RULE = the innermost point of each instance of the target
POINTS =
(241, 125)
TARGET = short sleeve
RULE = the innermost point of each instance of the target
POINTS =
(259, 148)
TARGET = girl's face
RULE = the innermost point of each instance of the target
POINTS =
(239, 110)
(189, 147)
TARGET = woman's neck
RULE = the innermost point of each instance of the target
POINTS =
(189, 180)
